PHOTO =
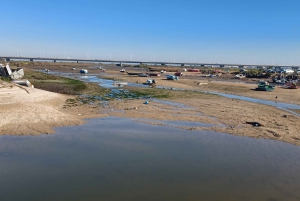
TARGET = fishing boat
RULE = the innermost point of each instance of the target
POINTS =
(264, 86)
(150, 82)
(172, 77)
(240, 76)
(178, 74)
(193, 70)
(143, 75)
(83, 71)
(153, 74)
(291, 85)
(134, 73)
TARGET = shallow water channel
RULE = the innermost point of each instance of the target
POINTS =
(283, 106)
(121, 159)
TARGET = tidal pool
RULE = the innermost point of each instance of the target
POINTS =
(120, 159)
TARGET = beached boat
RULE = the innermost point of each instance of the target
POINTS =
(143, 75)
(178, 74)
(291, 85)
(193, 70)
(264, 86)
(154, 74)
(172, 77)
(150, 82)
(83, 71)
(14, 74)
(134, 73)
(240, 76)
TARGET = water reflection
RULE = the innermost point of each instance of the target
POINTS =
(119, 159)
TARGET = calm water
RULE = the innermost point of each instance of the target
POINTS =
(119, 159)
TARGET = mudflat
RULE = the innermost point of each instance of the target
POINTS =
(36, 111)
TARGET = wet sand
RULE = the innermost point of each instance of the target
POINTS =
(39, 111)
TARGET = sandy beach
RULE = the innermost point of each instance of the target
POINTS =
(30, 111)
(35, 111)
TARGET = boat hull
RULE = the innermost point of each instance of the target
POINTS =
(265, 88)
(178, 74)
(193, 70)
(133, 73)
(154, 74)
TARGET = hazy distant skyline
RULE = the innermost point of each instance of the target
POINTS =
(215, 31)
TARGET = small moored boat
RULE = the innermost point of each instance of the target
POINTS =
(172, 77)
(143, 75)
(240, 76)
(291, 85)
(178, 74)
(83, 71)
(151, 82)
(193, 70)
(154, 74)
(264, 86)
(134, 73)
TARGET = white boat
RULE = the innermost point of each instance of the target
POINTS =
(83, 71)
(14, 74)
(23, 83)
(240, 76)
(151, 81)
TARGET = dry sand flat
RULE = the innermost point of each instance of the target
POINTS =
(34, 111)
(276, 124)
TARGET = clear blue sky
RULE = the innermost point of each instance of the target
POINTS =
(232, 31)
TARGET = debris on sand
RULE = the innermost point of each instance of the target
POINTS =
(253, 123)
